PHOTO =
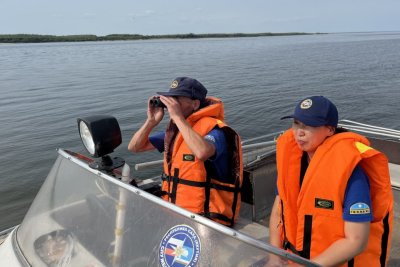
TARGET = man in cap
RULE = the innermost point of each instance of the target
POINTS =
(202, 155)
(334, 202)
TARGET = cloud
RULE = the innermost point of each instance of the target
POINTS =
(290, 20)
(145, 14)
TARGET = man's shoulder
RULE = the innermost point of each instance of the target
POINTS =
(216, 134)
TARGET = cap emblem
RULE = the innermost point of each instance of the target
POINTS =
(306, 104)
(174, 84)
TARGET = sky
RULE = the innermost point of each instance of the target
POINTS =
(150, 17)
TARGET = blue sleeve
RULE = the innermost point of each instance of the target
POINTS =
(357, 201)
(220, 160)
(157, 140)
(217, 138)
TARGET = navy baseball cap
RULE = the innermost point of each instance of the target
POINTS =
(185, 86)
(315, 111)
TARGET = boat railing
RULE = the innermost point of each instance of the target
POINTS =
(370, 129)
(252, 149)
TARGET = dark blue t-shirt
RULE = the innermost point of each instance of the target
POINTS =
(217, 165)
(357, 203)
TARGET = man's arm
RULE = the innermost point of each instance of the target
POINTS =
(202, 149)
(274, 234)
(274, 223)
(140, 140)
(354, 242)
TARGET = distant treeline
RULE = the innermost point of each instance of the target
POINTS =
(36, 38)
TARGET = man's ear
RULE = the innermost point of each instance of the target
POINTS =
(331, 130)
(196, 104)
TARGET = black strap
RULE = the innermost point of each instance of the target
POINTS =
(175, 181)
(207, 194)
(287, 245)
(200, 184)
(307, 236)
(207, 185)
(385, 239)
(224, 187)
(184, 181)
(235, 200)
(350, 263)
(304, 166)
(305, 253)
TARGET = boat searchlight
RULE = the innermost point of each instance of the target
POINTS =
(100, 135)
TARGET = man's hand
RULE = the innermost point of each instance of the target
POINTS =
(154, 114)
(140, 140)
(173, 106)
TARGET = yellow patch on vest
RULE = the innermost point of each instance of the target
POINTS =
(362, 148)
(219, 121)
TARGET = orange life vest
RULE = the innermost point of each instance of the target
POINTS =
(312, 215)
(185, 179)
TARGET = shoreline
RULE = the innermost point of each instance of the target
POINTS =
(39, 38)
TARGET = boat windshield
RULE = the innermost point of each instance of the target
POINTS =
(83, 218)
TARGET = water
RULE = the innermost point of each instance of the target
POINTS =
(45, 87)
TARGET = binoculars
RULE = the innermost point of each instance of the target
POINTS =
(156, 102)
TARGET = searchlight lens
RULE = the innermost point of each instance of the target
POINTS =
(86, 137)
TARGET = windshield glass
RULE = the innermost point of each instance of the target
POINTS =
(82, 218)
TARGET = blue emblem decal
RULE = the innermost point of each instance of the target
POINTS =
(360, 208)
(180, 247)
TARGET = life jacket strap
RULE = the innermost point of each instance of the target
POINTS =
(199, 184)
(183, 181)
(385, 240)
(207, 185)
(305, 253)
(175, 180)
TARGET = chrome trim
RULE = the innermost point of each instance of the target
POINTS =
(18, 252)
(195, 217)
(7, 231)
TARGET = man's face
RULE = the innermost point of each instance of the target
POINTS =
(187, 105)
(309, 138)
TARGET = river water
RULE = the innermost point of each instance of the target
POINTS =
(45, 87)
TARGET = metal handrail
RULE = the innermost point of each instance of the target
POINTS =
(368, 126)
(375, 133)
(370, 129)
(261, 137)
(149, 164)
(259, 145)
(355, 127)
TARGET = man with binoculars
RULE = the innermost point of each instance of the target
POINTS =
(202, 155)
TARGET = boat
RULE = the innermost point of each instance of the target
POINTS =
(90, 212)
